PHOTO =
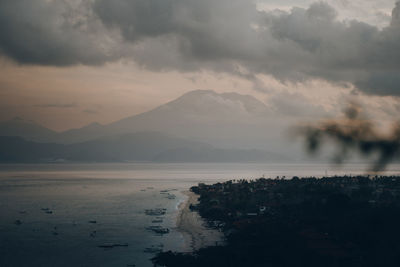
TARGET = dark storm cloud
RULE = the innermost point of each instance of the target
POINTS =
(292, 46)
(224, 36)
(51, 33)
(207, 29)
(352, 51)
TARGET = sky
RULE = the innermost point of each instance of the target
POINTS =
(67, 63)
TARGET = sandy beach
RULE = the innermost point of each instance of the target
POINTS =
(192, 226)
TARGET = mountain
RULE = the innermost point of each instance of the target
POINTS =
(145, 146)
(88, 132)
(225, 120)
(204, 115)
(26, 129)
(142, 146)
(198, 109)
(16, 149)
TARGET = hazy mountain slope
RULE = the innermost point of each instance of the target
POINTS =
(145, 146)
(197, 108)
(16, 149)
(28, 130)
(88, 132)
(226, 120)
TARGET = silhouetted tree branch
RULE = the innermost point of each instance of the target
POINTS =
(354, 133)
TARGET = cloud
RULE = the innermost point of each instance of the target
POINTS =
(231, 36)
(375, 12)
(292, 46)
(296, 105)
(58, 33)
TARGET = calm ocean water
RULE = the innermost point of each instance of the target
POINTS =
(46, 209)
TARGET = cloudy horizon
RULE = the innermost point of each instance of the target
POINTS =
(66, 64)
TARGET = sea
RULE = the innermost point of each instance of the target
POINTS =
(94, 214)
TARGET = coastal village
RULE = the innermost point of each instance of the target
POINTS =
(234, 200)
(330, 221)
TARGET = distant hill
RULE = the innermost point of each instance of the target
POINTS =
(16, 149)
(226, 121)
(145, 146)
(26, 129)
(88, 132)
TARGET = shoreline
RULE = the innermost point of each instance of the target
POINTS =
(191, 226)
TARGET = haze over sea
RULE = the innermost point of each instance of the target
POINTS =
(115, 196)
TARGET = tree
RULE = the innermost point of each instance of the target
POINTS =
(354, 133)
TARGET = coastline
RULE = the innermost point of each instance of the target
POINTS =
(191, 226)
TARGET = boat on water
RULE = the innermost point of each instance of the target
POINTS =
(171, 196)
(155, 212)
(113, 245)
(161, 231)
(158, 229)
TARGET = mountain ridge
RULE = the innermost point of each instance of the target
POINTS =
(201, 115)
(225, 120)
(143, 147)
(27, 129)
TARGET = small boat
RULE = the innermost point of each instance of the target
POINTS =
(161, 231)
(155, 212)
(171, 196)
(113, 245)
(153, 227)
(158, 229)
(47, 210)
